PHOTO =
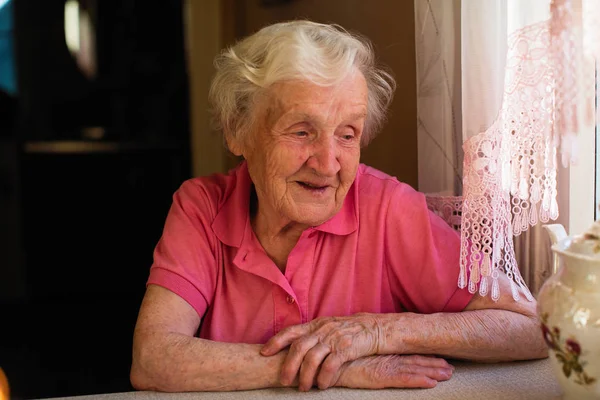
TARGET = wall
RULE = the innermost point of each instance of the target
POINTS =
(203, 41)
(388, 23)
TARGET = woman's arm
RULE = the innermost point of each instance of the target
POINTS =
(486, 331)
(167, 357)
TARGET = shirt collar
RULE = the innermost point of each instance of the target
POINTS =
(233, 218)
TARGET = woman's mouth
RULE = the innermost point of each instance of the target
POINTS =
(315, 188)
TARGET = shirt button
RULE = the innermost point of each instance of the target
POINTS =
(290, 299)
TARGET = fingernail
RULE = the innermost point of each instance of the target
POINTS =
(284, 382)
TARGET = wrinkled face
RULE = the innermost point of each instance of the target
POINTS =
(304, 151)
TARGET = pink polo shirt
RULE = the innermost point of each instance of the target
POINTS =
(383, 252)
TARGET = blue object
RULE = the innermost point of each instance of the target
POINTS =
(8, 81)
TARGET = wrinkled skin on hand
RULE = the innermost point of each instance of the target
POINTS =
(394, 371)
(319, 349)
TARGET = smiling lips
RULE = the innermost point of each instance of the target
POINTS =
(312, 186)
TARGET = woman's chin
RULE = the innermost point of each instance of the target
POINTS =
(313, 215)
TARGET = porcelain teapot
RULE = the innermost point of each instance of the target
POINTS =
(568, 307)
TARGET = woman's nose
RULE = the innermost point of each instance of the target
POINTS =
(324, 158)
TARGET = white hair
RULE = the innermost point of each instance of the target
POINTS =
(320, 53)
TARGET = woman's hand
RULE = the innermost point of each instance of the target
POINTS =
(394, 371)
(319, 349)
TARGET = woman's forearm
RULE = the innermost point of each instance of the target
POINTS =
(480, 335)
(179, 363)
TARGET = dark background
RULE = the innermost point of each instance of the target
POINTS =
(80, 216)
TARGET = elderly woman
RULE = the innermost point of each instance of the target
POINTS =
(302, 267)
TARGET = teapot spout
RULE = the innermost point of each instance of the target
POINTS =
(556, 232)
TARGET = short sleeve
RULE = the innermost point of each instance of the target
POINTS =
(185, 257)
(422, 254)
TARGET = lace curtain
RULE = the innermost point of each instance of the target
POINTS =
(502, 89)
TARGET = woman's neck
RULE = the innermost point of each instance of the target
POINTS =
(277, 235)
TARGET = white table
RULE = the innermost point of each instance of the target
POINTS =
(529, 380)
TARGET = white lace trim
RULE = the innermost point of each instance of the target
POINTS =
(509, 171)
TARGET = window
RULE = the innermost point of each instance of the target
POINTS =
(579, 184)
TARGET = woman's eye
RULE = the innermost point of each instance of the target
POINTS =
(348, 137)
(301, 133)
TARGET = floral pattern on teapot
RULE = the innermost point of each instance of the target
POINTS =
(567, 352)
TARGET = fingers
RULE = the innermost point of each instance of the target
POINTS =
(320, 348)
(415, 370)
(295, 356)
(422, 371)
(283, 339)
(427, 361)
(410, 381)
(310, 366)
(380, 372)
(435, 373)
(329, 370)
(394, 371)
(431, 367)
